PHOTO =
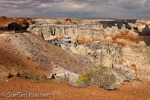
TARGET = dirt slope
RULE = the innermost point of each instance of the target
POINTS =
(31, 48)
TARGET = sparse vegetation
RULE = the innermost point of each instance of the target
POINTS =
(28, 58)
(19, 68)
(63, 80)
(51, 81)
(44, 78)
(35, 77)
(23, 77)
(59, 80)
(7, 65)
(3, 17)
(96, 76)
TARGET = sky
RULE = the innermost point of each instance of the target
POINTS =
(76, 8)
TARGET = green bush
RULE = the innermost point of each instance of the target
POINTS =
(35, 77)
(28, 58)
(3, 17)
(96, 76)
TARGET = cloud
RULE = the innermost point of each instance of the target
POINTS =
(76, 8)
(146, 3)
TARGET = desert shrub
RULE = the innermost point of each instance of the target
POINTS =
(23, 77)
(97, 76)
(51, 81)
(19, 68)
(59, 80)
(28, 58)
(35, 77)
(62, 80)
(84, 79)
(3, 17)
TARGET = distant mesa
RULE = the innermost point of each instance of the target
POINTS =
(68, 19)
(67, 22)
(21, 23)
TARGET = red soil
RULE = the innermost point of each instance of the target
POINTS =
(10, 60)
(136, 90)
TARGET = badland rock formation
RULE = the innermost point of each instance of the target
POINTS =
(122, 47)
(133, 43)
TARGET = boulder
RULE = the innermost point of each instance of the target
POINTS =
(73, 49)
(16, 74)
(60, 73)
(125, 72)
(5, 75)
(63, 47)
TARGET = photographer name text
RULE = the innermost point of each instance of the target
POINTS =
(26, 95)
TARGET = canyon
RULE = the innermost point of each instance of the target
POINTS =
(67, 48)
(121, 42)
